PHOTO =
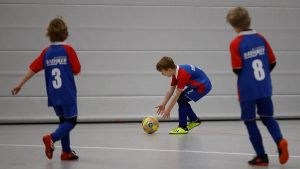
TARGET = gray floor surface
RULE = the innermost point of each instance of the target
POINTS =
(213, 145)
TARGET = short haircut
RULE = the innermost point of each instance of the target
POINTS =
(239, 17)
(57, 30)
(165, 63)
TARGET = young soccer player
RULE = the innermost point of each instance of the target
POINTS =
(252, 61)
(60, 62)
(189, 82)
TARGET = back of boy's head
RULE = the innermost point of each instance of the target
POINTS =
(165, 63)
(239, 17)
(57, 30)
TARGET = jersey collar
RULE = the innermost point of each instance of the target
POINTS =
(59, 43)
(250, 32)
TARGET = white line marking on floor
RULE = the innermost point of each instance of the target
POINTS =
(142, 149)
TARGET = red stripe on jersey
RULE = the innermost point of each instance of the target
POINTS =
(236, 59)
(73, 59)
(38, 64)
(183, 78)
(271, 56)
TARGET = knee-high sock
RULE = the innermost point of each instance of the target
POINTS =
(272, 127)
(182, 110)
(191, 114)
(255, 137)
(62, 130)
(65, 143)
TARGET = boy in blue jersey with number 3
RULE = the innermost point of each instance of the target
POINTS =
(252, 61)
(60, 62)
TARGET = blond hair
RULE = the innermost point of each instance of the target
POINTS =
(57, 30)
(239, 17)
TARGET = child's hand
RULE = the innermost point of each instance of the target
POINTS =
(166, 114)
(16, 90)
(161, 109)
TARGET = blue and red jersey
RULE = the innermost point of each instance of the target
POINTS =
(192, 77)
(252, 54)
(60, 63)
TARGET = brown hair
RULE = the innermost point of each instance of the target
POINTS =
(239, 17)
(165, 63)
(57, 30)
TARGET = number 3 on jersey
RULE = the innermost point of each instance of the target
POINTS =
(57, 79)
(259, 72)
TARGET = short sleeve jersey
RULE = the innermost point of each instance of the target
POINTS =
(60, 62)
(251, 53)
(192, 77)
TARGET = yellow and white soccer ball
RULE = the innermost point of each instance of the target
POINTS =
(150, 125)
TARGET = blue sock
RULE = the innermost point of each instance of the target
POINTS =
(182, 110)
(182, 115)
(62, 130)
(191, 114)
(255, 137)
(272, 127)
(65, 143)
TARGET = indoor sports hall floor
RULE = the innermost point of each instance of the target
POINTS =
(213, 145)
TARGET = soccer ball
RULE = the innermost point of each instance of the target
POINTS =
(150, 125)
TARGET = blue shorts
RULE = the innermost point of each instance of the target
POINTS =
(67, 111)
(264, 108)
(192, 94)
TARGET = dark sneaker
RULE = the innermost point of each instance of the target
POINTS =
(69, 156)
(283, 151)
(259, 161)
(49, 146)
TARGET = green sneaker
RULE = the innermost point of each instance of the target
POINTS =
(179, 130)
(192, 124)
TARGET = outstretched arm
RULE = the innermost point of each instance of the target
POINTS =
(168, 95)
(26, 77)
(167, 112)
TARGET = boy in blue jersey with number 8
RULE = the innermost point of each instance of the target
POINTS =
(60, 62)
(252, 61)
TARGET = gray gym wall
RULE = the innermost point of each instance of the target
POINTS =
(119, 42)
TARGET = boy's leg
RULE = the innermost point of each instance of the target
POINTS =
(48, 139)
(183, 108)
(265, 110)
(248, 116)
(65, 141)
(191, 114)
(184, 102)
(193, 94)
(67, 152)
(182, 116)
(273, 128)
(68, 120)
(255, 137)
(62, 130)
